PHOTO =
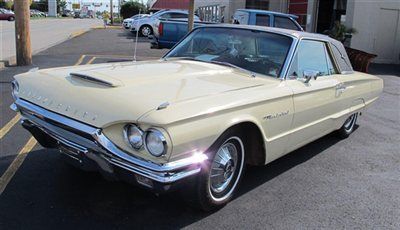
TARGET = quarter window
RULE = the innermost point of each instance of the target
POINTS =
(311, 55)
(285, 23)
(179, 15)
(262, 20)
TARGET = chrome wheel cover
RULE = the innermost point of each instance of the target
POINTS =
(146, 31)
(349, 123)
(226, 169)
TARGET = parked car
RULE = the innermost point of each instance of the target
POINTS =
(168, 32)
(266, 18)
(7, 15)
(145, 25)
(37, 13)
(128, 21)
(224, 97)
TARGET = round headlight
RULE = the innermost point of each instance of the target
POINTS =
(15, 89)
(134, 136)
(155, 142)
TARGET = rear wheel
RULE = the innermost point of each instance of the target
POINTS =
(12, 18)
(219, 178)
(348, 126)
(146, 30)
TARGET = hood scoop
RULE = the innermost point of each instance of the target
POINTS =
(96, 79)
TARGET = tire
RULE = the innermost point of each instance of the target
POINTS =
(348, 126)
(210, 192)
(12, 18)
(145, 30)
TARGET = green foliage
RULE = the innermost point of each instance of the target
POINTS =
(340, 32)
(128, 9)
(6, 5)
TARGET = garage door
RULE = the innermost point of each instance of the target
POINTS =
(387, 41)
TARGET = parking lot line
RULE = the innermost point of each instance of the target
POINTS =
(13, 168)
(9, 125)
(80, 60)
(91, 61)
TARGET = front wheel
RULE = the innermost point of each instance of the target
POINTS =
(220, 176)
(348, 126)
(12, 18)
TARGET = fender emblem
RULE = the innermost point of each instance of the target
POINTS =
(276, 115)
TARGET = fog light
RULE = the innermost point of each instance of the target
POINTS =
(144, 181)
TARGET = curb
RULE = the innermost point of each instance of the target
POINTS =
(12, 61)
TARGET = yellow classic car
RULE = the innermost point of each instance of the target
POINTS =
(224, 97)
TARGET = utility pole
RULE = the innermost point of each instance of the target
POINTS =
(191, 15)
(111, 12)
(22, 33)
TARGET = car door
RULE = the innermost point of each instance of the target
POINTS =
(314, 101)
(2, 15)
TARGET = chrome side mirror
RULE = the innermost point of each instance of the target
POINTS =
(309, 74)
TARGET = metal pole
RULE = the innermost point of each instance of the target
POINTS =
(191, 15)
(22, 33)
(111, 12)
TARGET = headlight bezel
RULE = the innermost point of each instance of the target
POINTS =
(126, 131)
(15, 89)
(162, 138)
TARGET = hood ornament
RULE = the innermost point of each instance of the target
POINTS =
(163, 105)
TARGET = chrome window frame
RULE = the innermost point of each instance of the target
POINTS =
(328, 52)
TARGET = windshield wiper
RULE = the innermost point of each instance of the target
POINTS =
(252, 74)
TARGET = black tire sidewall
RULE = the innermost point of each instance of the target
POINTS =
(11, 19)
(205, 199)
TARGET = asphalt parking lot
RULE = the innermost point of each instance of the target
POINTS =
(329, 184)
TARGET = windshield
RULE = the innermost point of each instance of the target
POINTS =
(255, 51)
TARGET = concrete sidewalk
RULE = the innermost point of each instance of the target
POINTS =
(45, 33)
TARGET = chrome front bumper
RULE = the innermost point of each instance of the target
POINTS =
(81, 141)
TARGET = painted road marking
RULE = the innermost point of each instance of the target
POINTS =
(19, 159)
(80, 60)
(90, 61)
(9, 125)
(13, 168)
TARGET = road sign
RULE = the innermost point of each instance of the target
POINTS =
(76, 6)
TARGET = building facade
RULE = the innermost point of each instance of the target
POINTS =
(377, 22)
(93, 5)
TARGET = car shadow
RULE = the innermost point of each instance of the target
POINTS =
(47, 191)
(132, 36)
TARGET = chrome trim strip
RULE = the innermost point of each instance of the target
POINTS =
(289, 59)
(164, 173)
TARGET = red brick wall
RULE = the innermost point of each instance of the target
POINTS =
(171, 4)
(299, 8)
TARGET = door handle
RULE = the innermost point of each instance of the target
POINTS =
(340, 88)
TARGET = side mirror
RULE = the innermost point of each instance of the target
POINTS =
(309, 74)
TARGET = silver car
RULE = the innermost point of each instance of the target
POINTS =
(145, 26)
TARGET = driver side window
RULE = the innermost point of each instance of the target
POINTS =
(311, 55)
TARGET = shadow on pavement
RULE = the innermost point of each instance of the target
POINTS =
(49, 193)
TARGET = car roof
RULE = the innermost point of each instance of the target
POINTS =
(292, 33)
(269, 12)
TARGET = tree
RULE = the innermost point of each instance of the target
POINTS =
(6, 5)
(128, 9)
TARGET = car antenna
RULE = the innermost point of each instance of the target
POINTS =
(137, 34)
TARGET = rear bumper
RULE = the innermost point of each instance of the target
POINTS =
(91, 150)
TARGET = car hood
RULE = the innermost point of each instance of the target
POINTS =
(104, 94)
